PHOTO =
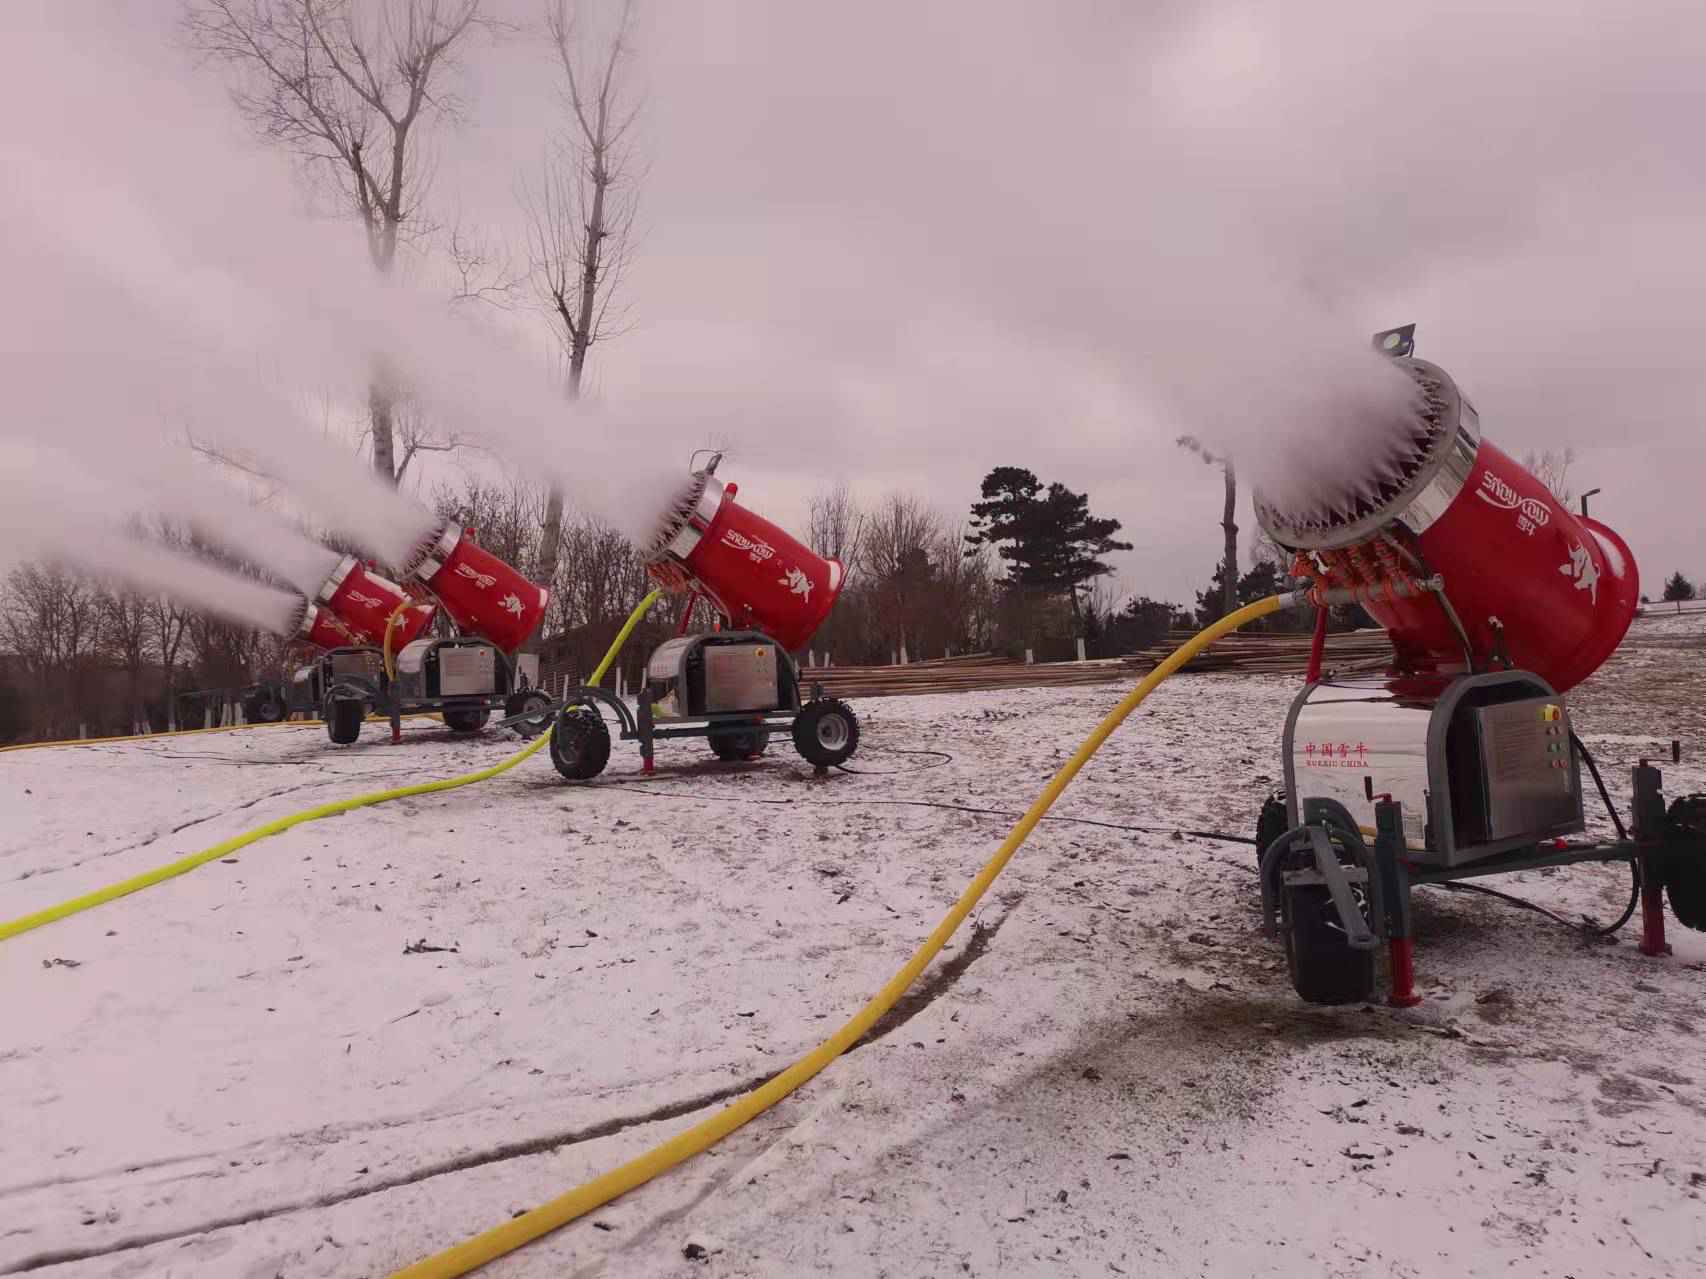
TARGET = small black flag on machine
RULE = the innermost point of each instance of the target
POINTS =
(1398, 343)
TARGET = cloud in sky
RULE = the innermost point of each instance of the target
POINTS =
(901, 244)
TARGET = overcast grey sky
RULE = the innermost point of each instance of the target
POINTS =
(985, 218)
(900, 244)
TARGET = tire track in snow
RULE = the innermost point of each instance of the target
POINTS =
(939, 982)
(155, 838)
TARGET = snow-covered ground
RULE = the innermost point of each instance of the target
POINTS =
(259, 1069)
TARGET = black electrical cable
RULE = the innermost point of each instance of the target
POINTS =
(1586, 925)
(943, 759)
(1604, 795)
(1523, 902)
(650, 788)
(1581, 749)
(1629, 910)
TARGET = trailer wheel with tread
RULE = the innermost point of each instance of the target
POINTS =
(826, 732)
(580, 743)
(1684, 862)
(536, 706)
(1324, 967)
(749, 743)
(466, 719)
(1272, 823)
(343, 716)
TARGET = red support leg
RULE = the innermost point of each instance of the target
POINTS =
(1652, 912)
(1317, 646)
(1403, 956)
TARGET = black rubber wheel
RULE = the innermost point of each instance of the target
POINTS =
(264, 708)
(826, 732)
(522, 703)
(748, 744)
(1681, 867)
(580, 743)
(1272, 823)
(343, 716)
(466, 719)
(1324, 967)
(1685, 885)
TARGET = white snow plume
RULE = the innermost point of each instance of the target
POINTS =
(222, 516)
(205, 587)
(1314, 441)
(170, 267)
(113, 350)
(153, 477)
(77, 520)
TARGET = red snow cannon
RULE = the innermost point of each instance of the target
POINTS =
(1526, 584)
(325, 629)
(744, 565)
(483, 595)
(759, 577)
(364, 602)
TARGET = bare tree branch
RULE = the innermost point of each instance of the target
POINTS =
(484, 271)
(346, 96)
(581, 212)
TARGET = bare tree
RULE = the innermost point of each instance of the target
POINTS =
(127, 633)
(899, 537)
(170, 623)
(836, 526)
(581, 213)
(960, 610)
(1228, 518)
(347, 86)
(50, 622)
(415, 436)
(485, 269)
(1552, 468)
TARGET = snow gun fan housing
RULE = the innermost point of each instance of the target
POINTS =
(759, 577)
(1526, 583)
(355, 606)
(483, 595)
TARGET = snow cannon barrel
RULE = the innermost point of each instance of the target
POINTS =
(1528, 581)
(363, 602)
(483, 595)
(757, 575)
(325, 629)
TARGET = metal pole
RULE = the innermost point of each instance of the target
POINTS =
(1585, 497)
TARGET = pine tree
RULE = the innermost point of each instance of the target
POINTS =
(1047, 538)
(1007, 518)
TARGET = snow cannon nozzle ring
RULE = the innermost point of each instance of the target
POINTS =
(432, 550)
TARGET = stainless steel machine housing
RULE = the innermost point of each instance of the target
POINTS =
(1481, 764)
(726, 672)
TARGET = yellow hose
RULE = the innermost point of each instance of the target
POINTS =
(499, 1240)
(390, 626)
(171, 870)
